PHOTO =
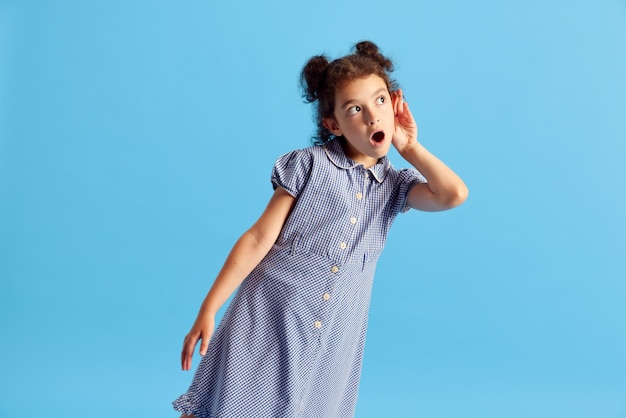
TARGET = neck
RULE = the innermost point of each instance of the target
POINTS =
(356, 156)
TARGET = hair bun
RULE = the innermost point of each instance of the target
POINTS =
(312, 75)
(370, 49)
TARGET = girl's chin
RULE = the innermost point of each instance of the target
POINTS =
(381, 147)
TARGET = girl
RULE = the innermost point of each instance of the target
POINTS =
(291, 342)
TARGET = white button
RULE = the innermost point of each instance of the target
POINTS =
(318, 324)
(334, 269)
(343, 245)
(352, 221)
(367, 174)
(359, 195)
(326, 296)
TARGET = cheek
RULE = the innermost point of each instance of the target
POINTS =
(390, 116)
(350, 123)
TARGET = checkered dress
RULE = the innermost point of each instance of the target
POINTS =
(291, 341)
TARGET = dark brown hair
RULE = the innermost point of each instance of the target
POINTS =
(321, 79)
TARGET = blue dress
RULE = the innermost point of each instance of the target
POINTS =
(291, 342)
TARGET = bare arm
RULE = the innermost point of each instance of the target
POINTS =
(444, 189)
(247, 252)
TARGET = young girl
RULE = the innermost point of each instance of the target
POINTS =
(291, 342)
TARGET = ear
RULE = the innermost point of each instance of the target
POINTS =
(332, 125)
(395, 97)
(397, 101)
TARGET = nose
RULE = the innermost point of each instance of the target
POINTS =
(372, 117)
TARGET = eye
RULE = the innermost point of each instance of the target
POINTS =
(354, 110)
(380, 100)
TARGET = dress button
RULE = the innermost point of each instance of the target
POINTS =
(334, 269)
(352, 221)
(318, 324)
(343, 245)
(326, 296)
(359, 195)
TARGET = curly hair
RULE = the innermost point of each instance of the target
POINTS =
(320, 79)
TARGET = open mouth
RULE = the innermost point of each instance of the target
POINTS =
(378, 137)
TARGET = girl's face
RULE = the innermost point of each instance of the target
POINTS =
(364, 116)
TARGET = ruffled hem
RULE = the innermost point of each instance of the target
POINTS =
(186, 405)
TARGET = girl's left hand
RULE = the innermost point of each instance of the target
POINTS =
(405, 133)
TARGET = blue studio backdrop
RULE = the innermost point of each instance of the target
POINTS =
(136, 143)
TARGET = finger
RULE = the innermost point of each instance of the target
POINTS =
(183, 356)
(398, 102)
(203, 346)
(410, 117)
(407, 111)
(187, 354)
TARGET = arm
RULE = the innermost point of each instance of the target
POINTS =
(444, 189)
(247, 252)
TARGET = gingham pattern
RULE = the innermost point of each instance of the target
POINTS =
(291, 342)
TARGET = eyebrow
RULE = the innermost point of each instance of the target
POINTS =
(376, 93)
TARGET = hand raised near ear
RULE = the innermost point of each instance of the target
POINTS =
(405, 133)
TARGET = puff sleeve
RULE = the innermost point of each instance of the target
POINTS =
(408, 178)
(292, 171)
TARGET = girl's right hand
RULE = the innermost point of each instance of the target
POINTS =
(202, 330)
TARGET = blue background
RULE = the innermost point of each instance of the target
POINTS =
(136, 143)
